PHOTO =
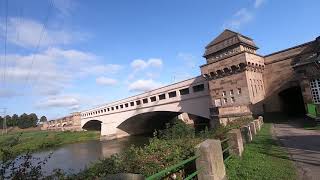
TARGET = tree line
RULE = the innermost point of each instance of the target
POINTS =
(22, 121)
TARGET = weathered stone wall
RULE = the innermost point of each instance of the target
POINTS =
(280, 75)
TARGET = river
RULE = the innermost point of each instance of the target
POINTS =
(73, 158)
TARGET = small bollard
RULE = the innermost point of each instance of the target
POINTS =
(246, 134)
(253, 128)
(210, 160)
(261, 119)
(257, 124)
(235, 141)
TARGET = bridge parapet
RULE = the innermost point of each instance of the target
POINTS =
(184, 90)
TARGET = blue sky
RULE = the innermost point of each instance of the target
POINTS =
(94, 52)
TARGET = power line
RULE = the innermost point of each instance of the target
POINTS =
(44, 26)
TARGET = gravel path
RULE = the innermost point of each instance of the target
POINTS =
(304, 148)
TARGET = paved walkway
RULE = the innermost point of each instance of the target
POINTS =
(304, 148)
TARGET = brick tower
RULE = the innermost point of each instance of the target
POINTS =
(235, 75)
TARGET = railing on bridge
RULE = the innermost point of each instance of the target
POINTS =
(181, 165)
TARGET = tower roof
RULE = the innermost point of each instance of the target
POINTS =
(226, 39)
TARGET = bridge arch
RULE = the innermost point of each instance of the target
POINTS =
(92, 125)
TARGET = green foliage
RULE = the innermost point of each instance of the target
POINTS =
(33, 141)
(262, 159)
(43, 119)
(147, 160)
(176, 129)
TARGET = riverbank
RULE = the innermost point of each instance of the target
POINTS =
(264, 158)
(39, 140)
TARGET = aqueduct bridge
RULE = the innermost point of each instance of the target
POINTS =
(145, 112)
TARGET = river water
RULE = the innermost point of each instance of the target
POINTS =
(73, 158)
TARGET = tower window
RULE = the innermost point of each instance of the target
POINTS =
(138, 102)
(224, 93)
(145, 101)
(239, 90)
(225, 100)
(131, 103)
(126, 104)
(233, 100)
(231, 92)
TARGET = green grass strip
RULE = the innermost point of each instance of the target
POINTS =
(262, 159)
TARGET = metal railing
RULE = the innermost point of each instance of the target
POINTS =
(312, 110)
(226, 149)
(175, 168)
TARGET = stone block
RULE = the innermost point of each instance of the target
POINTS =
(210, 160)
(235, 141)
(246, 134)
(260, 119)
(124, 176)
(253, 128)
(257, 124)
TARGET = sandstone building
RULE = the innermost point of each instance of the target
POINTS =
(235, 82)
(71, 122)
(244, 83)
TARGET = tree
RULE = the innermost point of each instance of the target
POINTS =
(43, 119)
(23, 121)
(15, 119)
(8, 120)
(33, 120)
(1, 122)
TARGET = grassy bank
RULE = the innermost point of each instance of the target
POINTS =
(37, 140)
(262, 159)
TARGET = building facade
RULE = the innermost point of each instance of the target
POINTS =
(67, 123)
(244, 83)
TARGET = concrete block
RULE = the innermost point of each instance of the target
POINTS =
(260, 119)
(125, 176)
(253, 128)
(210, 160)
(246, 134)
(235, 141)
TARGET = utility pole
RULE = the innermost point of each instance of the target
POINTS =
(4, 125)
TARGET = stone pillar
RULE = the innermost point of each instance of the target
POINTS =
(260, 119)
(235, 141)
(257, 124)
(253, 128)
(210, 160)
(246, 134)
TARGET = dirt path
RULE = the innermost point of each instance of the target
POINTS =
(304, 148)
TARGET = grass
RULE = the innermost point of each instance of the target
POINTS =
(262, 159)
(38, 140)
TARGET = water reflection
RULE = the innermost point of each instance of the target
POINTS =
(74, 157)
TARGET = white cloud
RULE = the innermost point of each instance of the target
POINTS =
(27, 32)
(53, 70)
(64, 6)
(140, 64)
(106, 81)
(258, 3)
(240, 18)
(188, 59)
(66, 101)
(243, 16)
(143, 85)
